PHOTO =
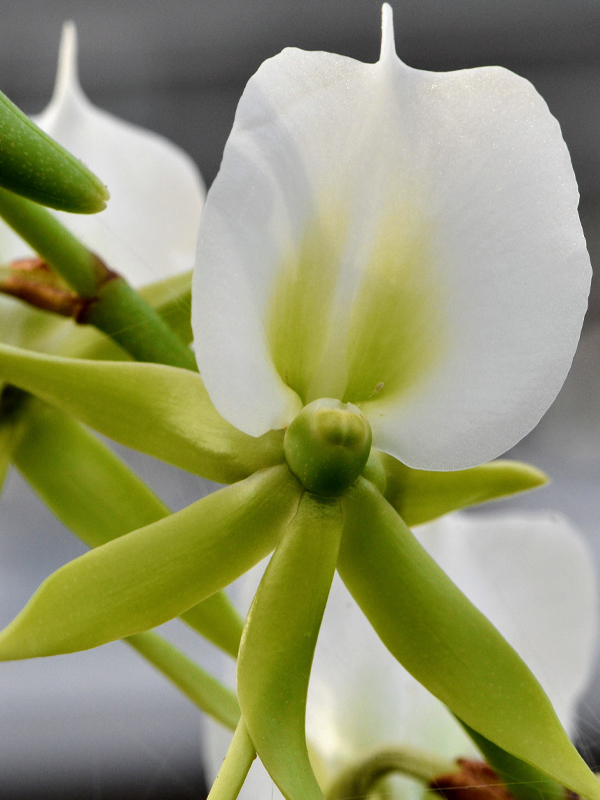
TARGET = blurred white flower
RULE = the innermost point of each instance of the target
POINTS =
(148, 230)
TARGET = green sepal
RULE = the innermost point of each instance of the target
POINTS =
(99, 498)
(235, 767)
(447, 644)
(90, 489)
(217, 619)
(420, 496)
(201, 688)
(13, 406)
(279, 641)
(162, 411)
(153, 574)
(33, 165)
(523, 781)
(22, 325)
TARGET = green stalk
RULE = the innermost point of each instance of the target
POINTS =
(124, 316)
(112, 305)
(235, 767)
(59, 248)
(359, 780)
(201, 688)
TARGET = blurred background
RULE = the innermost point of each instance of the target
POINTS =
(101, 724)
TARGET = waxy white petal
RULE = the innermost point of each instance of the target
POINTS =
(404, 240)
(531, 574)
(148, 230)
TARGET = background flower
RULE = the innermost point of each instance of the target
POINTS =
(148, 230)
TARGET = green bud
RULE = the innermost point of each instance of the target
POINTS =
(33, 165)
(327, 446)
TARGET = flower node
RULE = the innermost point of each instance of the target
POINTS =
(327, 446)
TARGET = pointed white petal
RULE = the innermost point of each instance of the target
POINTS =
(404, 240)
(148, 230)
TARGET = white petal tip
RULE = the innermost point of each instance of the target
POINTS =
(388, 44)
(67, 80)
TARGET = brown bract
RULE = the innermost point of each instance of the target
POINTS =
(475, 781)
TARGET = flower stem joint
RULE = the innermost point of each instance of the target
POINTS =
(327, 446)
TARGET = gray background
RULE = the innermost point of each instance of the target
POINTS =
(102, 724)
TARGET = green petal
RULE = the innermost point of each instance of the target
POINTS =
(162, 411)
(153, 574)
(279, 642)
(447, 644)
(99, 498)
(201, 688)
(32, 164)
(420, 496)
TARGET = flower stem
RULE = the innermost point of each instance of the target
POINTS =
(235, 767)
(111, 304)
(358, 781)
(201, 688)
(124, 316)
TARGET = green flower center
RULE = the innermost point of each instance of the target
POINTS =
(327, 446)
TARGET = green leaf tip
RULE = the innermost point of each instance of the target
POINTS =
(34, 165)
(420, 496)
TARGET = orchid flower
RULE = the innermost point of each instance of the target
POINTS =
(390, 282)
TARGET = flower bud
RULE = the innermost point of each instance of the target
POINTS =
(327, 446)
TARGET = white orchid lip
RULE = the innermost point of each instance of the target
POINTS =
(148, 230)
(403, 240)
